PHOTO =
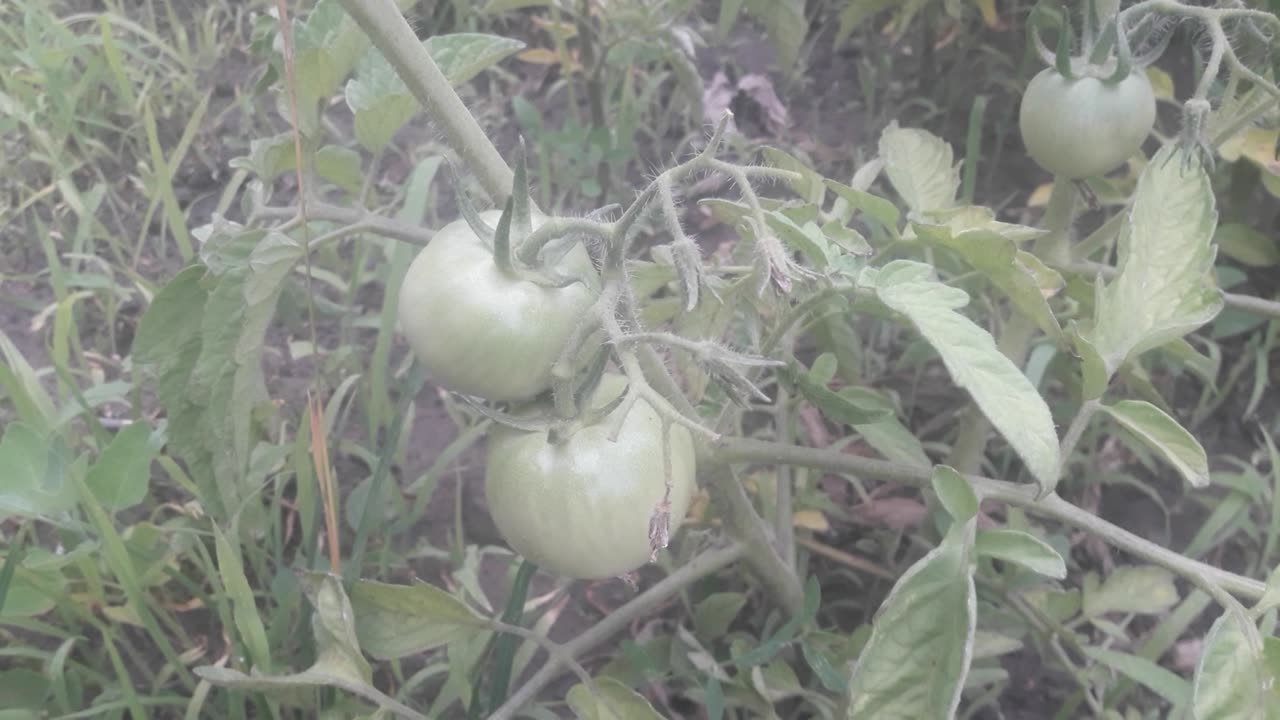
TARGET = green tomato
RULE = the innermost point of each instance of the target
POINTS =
(483, 332)
(1085, 127)
(581, 507)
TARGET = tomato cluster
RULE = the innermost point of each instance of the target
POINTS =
(577, 503)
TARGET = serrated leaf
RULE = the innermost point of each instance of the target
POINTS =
(715, 613)
(611, 701)
(915, 663)
(847, 238)
(1144, 589)
(874, 207)
(1164, 288)
(382, 104)
(35, 469)
(998, 387)
(1233, 679)
(921, 167)
(1163, 434)
(340, 166)
(120, 475)
(894, 441)
(809, 186)
(809, 240)
(270, 157)
(955, 493)
(393, 621)
(850, 408)
(1019, 275)
(1022, 548)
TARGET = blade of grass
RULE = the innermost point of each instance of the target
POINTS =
(408, 391)
(972, 150)
(163, 180)
(117, 558)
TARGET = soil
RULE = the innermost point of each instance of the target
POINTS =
(831, 123)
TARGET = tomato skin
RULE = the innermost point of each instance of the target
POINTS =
(479, 331)
(1084, 127)
(581, 508)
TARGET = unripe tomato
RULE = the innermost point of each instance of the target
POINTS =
(483, 332)
(1084, 127)
(581, 507)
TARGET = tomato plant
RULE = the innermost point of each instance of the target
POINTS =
(581, 506)
(1085, 126)
(482, 330)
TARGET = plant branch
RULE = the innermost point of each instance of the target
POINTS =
(741, 450)
(391, 34)
(369, 221)
(613, 623)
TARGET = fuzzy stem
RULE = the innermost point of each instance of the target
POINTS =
(613, 623)
(742, 450)
(390, 32)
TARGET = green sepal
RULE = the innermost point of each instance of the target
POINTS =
(502, 241)
(468, 208)
(522, 217)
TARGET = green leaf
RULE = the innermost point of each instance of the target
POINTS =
(921, 167)
(785, 26)
(1019, 275)
(809, 239)
(955, 493)
(874, 207)
(894, 441)
(31, 591)
(715, 613)
(1234, 680)
(122, 472)
(23, 689)
(809, 186)
(1247, 246)
(1022, 548)
(998, 387)
(770, 646)
(611, 701)
(1164, 435)
(382, 104)
(393, 621)
(270, 157)
(856, 12)
(340, 166)
(1145, 672)
(244, 607)
(35, 473)
(1164, 288)
(847, 406)
(1143, 589)
(333, 626)
(915, 663)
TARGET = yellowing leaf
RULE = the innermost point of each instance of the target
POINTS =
(989, 15)
(810, 520)
(539, 56)
(1161, 83)
(1256, 144)
(1040, 196)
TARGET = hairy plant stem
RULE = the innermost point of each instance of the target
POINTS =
(391, 34)
(742, 450)
(701, 566)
